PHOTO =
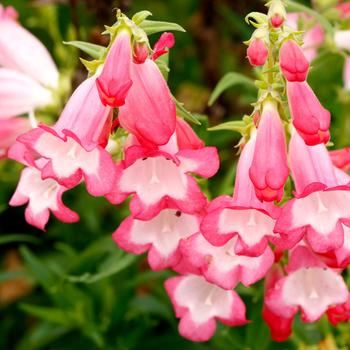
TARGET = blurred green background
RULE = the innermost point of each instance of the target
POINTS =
(71, 287)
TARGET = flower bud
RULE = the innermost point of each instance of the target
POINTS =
(293, 63)
(277, 13)
(257, 52)
(140, 52)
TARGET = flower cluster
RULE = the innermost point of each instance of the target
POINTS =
(299, 241)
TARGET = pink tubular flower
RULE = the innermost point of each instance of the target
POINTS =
(166, 40)
(309, 286)
(20, 50)
(257, 52)
(341, 158)
(311, 120)
(293, 63)
(42, 197)
(342, 39)
(114, 81)
(20, 94)
(199, 304)
(73, 147)
(10, 129)
(159, 178)
(160, 236)
(243, 215)
(320, 211)
(149, 111)
(221, 265)
(269, 170)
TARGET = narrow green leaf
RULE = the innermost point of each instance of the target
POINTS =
(234, 125)
(122, 264)
(184, 113)
(93, 50)
(227, 81)
(11, 238)
(139, 17)
(297, 7)
(151, 27)
(50, 314)
(40, 271)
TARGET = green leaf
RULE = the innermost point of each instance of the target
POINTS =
(113, 269)
(297, 7)
(139, 17)
(39, 270)
(50, 314)
(18, 238)
(227, 81)
(93, 50)
(234, 125)
(184, 113)
(151, 27)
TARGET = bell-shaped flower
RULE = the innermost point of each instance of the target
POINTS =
(114, 81)
(341, 158)
(42, 197)
(159, 236)
(243, 215)
(321, 207)
(21, 51)
(74, 146)
(149, 111)
(294, 65)
(200, 304)
(10, 129)
(159, 178)
(257, 52)
(20, 94)
(221, 265)
(309, 117)
(309, 286)
(269, 169)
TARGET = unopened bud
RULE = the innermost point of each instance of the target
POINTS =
(140, 52)
(277, 13)
(257, 52)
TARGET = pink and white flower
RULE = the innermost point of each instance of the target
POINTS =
(269, 169)
(221, 265)
(309, 286)
(243, 215)
(23, 52)
(42, 197)
(309, 117)
(320, 210)
(74, 146)
(159, 178)
(160, 236)
(200, 304)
